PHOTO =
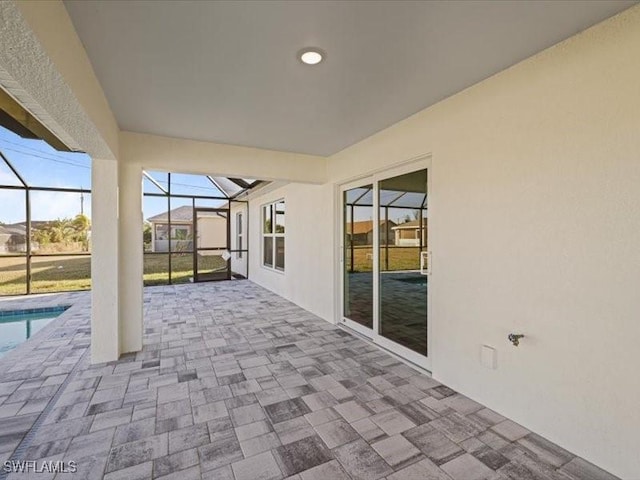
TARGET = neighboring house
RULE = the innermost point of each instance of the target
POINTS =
(408, 234)
(212, 230)
(20, 230)
(362, 233)
(13, 238)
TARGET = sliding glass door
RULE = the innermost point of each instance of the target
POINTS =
(403, 239)
(358, 255)
(385, 260)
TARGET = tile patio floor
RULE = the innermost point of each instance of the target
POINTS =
(235, 382)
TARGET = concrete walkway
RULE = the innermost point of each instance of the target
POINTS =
(235, 382)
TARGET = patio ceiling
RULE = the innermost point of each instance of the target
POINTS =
(227, 71)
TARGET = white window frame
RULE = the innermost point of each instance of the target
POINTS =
(239, 235)
(176, 228)
(272, 234)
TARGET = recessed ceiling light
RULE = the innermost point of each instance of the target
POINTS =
(311, 56)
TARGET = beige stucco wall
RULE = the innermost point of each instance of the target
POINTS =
(47, 69)
(534, 228)
(309, 247)
(189, 156)
(212, 232)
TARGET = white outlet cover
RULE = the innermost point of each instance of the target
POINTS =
(488, 357)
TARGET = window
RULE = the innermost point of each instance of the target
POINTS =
(239, 234)
(273, 227)
(179, 233)
(162, 232)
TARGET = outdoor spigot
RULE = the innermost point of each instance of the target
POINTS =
(515, 338)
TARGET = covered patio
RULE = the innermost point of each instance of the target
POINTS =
(501, 135)
(235, 382)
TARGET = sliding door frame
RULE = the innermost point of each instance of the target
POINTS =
(361, 329)
(374, 178)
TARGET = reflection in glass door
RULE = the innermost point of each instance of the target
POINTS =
(358, 231)
(403, 239)
(385, 261)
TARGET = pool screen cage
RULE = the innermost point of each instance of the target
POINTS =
(49, 254)
(196, 227)
(45, 222)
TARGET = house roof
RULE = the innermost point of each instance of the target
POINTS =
(411, 224)
(364, 226)
(14, 229)
(180, 214)
(35, 224)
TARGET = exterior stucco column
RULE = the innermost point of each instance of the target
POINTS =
(105, 331)
(130, 257)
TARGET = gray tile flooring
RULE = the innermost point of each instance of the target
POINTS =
(237, 383)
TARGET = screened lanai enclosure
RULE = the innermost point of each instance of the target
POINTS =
(45, 217)
(196, 227)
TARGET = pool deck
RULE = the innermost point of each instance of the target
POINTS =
(235, 382)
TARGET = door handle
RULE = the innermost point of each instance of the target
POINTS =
(425, 263)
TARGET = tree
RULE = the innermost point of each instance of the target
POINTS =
(61, 230)
(81, 224)
(146, 232)
(147, 236)
(64, 231)
(41, 236)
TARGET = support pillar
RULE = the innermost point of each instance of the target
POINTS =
(105, 330)
(131, 258)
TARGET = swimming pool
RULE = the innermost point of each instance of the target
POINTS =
(17, 326)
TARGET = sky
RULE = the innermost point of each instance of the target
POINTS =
(42, 166)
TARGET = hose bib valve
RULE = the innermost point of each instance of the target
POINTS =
(515, 338)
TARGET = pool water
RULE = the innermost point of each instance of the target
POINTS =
(17, 326)
(416, 280)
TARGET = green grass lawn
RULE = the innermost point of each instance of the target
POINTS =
(400, 258)
(48, 274)
(156, 267)
(54, 274)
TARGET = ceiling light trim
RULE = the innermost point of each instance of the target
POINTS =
(312, 56)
